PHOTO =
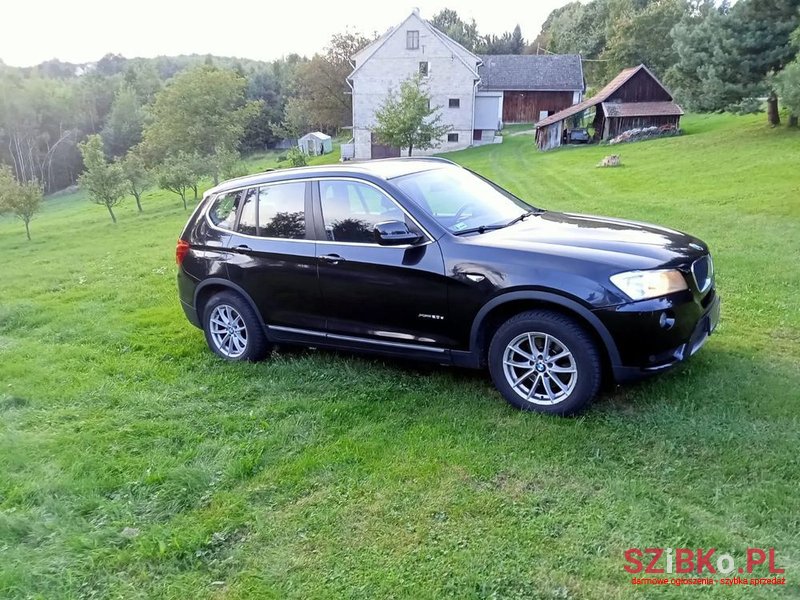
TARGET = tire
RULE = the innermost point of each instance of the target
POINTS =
(564, 386)
(245, 339)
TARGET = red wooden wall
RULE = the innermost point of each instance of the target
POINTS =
(524, 107)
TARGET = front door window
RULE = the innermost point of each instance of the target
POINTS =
(351, 210)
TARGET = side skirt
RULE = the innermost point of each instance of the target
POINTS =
(291, 335)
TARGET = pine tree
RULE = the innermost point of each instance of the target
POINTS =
(727, 58)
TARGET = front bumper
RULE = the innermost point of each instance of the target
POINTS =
(654, 335)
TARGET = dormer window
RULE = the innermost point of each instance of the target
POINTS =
(412, 40)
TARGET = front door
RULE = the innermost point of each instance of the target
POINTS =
(389, 295)
(273, 257)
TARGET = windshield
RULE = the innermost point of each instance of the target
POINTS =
(461, 200)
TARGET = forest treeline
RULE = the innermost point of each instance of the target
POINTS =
(714, 56)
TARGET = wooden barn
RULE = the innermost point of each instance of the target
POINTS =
(530, 87)
(634, 98)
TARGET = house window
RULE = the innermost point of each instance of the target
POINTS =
(412, 40)
(455, 102)
(423, 68)
(452, 137)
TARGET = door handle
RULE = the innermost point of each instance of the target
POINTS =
(331, 258)
(244, 247)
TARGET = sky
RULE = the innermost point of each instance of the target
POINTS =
(81, 31)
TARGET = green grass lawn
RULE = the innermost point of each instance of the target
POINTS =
(134, 464)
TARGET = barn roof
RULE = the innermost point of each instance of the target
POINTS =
(641, 109)
(536, 72)
(603, 95)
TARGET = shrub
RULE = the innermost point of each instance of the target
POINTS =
(296, 157)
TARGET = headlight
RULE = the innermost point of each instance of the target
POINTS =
(639, 285)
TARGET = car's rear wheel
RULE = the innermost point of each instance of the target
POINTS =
(233, 329)
(544, 361)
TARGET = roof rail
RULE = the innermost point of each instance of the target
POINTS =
(433, 158)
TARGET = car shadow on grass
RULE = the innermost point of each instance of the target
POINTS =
(713, 381)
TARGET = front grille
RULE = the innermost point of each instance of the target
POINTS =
(703, 273)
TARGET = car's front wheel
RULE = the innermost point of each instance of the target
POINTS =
(544, 361)
(233, 330)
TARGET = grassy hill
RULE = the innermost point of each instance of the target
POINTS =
(134, 464)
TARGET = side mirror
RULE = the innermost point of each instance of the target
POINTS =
(394, 233)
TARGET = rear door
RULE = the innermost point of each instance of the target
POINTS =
(273, 255)
(387, 295)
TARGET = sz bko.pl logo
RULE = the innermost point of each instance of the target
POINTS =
(690, 560)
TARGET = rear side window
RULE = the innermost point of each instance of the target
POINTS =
(247, 219)
(223, 211)
(281, 211)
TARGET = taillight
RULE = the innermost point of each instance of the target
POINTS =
(181, 250)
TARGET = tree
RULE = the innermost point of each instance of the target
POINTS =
(137, 177)
(511, 42)
(38, 129)
(94, 94)
(296, 157)
(226, 162)
(265, 84)
(111, 64)
(179, 173)
(705, 61)
(577, 28)
(103, 181)
(517, 44)
(727, 58)
(141, 75)
(202, 109)
(787, 82)
(448, 22)
(407, 119)
(788, 86)
(322, 82)
(644, 37)
(20, 199)
(124, 125)
(762, 30)
(296, 120)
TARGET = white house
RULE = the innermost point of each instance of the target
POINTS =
(475, 94)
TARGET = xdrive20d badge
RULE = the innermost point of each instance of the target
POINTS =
(420, 258)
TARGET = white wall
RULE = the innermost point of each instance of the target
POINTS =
(392, 63)
(488, 110)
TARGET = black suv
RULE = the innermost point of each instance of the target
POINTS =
(420, 258)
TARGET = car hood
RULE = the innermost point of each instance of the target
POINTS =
(615, 241)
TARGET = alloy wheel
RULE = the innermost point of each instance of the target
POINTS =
(540, 368)
(228, 330)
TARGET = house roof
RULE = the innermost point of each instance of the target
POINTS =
(469, 59)
(531, 72)
(601, 96)
(641, 109)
